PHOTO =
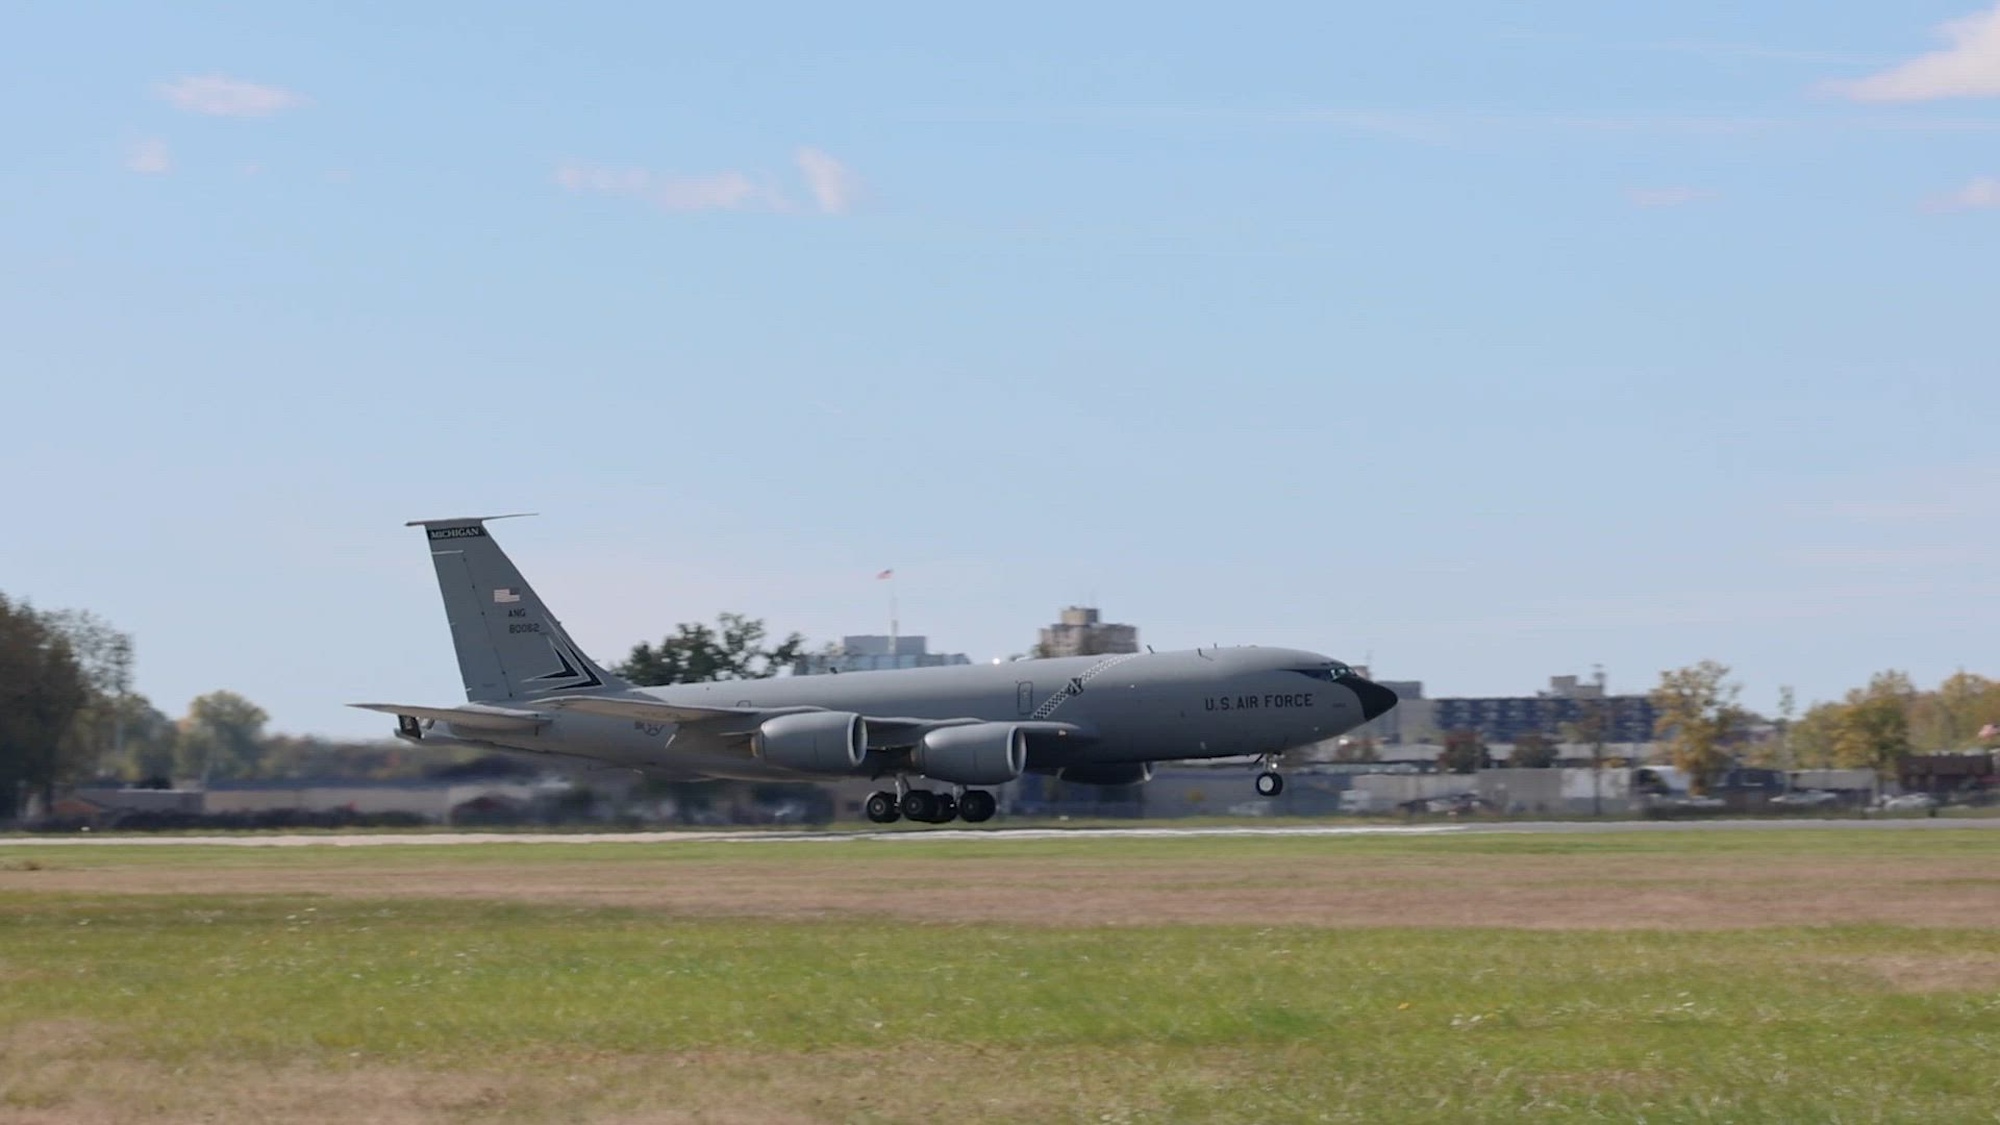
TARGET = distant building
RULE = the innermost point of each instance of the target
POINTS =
(1627, 718)
(875, 654)
(1080, 632)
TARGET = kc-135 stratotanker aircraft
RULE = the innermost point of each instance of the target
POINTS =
(1098, 720)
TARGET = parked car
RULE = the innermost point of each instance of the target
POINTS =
(1458, 804)
(1909, 802)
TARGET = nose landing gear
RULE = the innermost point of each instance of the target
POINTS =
(1270, 783)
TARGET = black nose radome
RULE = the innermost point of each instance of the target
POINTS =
(1375, 699)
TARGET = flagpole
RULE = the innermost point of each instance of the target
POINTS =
(889, 576)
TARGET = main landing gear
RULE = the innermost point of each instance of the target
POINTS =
(974, 806)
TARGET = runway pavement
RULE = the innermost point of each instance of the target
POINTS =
(987, 835)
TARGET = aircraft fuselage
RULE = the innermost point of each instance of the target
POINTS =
(1142, 707)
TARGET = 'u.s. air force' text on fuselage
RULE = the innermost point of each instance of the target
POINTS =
(1268, 702)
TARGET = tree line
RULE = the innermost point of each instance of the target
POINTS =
(1705, 729)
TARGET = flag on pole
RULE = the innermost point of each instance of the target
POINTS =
(886, 574)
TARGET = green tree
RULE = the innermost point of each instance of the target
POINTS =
(104, 655)
(221, 738)
(733, 649)
(1533, 751)
(1464, 752)
(1699, 717)
(1873, 727)
(42, 688)
(145, 743)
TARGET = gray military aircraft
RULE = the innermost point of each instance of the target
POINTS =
(1101, 720)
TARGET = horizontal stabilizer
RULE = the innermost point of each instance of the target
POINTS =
(495, 719)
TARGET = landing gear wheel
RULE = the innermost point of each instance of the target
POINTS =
(921, 805)
(882, 808)
(1270, 784)
(947, 810)
(977, 806)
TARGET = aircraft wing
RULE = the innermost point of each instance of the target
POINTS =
(498, 720)
(883, 730)
(654, 711)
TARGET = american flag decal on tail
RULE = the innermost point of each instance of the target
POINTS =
(506, 594)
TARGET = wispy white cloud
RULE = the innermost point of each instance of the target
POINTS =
(1652, 198)
(150, 157)
(220, 96)
(1982, 194)
(833, 186)
(1969, 67)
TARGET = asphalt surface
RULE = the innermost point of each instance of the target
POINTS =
(991, 835)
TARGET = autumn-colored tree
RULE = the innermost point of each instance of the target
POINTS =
(1951, 717)
(1352, 750)
(1592, 726)
(1698, 717)
(1534, 751)
(1464, 752)
(1872, 727)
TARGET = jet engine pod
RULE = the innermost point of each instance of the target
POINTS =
(813, 741)
(978, 754)
(1109, 773)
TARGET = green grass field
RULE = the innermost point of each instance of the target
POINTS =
(120, 1000)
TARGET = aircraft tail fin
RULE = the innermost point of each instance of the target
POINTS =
(510, 646)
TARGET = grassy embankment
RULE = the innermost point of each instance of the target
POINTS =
(463, 1005)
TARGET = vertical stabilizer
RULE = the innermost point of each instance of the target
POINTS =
(509, 645)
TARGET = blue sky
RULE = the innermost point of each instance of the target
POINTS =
(1484, 342)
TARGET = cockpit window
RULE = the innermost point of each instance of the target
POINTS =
(1332, 673)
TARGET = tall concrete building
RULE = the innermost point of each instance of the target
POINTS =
(1081, 632)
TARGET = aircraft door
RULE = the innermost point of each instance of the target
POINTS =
(1024, 698)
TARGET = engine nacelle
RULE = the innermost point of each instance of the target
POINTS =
(1109, 773)
(813, 741)
(977, 754)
